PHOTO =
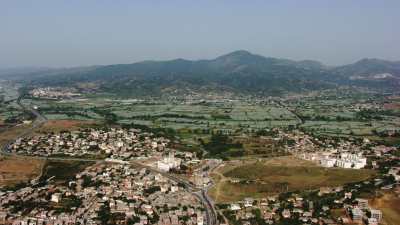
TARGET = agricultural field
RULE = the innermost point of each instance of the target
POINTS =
(359, 116)
(16, 170)
(272, 176)
(329, 115)
(11, 112)
(229, 116)
(351, 128)
(8, 91)
(66, 109)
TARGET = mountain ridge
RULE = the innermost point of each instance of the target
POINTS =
(239, 71)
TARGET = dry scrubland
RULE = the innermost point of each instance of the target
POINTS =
(268, 177)
(10, 134)
(14, 170)
(62, 125)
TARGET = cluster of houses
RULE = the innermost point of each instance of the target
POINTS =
(304, 207)
(101, 193)
(344, 154)
(54, 93)
(114, 143)
(272, 209)
(360, 211)
(302, 210)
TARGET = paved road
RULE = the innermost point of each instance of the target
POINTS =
(301, 121)
(201, 194)
(39, 120)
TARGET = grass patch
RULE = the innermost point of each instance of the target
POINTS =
(262, 178)
(63, 171)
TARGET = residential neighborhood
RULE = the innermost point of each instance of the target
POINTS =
(103, 191)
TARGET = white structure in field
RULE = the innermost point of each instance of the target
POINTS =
(200, 220)
(376, 214)
(345, 160)
(168, 163)
(56, 197)
(348, 160)
(329, 162)
(343, 163)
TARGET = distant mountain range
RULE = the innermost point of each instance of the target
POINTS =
(239, 71)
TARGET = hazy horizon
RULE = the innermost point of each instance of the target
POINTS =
(82, 33)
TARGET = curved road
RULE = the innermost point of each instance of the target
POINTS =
(39, 121)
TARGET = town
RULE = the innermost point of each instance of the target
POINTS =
(144, 161)
(54, 93)
(103, 192)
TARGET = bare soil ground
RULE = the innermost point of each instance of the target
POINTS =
(389, 204)
(14, 170)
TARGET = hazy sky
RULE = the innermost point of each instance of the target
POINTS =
(88, 32)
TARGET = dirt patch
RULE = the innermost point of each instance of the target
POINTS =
(389, 204)
(289, 161)
(14, 170)
(391, 106)
(64, 125)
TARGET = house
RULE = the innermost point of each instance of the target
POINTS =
(248, 202)
(372, 221)
(56, 197)
(362, 203)
(376, 214)
(328, 162)
(348, 195)
(235, 207)
(200, 220)
(357, 213)
(286, 213)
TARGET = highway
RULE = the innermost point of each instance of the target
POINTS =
(199, 193)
